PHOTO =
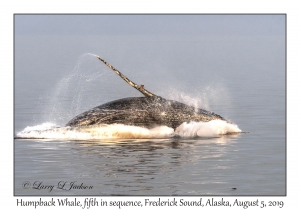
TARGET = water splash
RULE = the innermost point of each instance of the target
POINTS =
(48, 130)
(206, 129)
(69, 97)
(213, 95)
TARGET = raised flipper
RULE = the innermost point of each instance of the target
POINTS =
(138, 87)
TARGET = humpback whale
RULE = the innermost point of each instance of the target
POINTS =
(148, 111)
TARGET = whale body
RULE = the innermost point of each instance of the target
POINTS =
(144, 112)
(147, 111)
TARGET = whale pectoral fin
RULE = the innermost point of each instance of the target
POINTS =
(138, 87)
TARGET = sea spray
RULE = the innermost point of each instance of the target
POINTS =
(72, 93)
(118, 131)
(42, 127)
(206, 129)
(213, 128)
(206, 97)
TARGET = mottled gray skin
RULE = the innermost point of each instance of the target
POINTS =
(143, 111)
(148, 111)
